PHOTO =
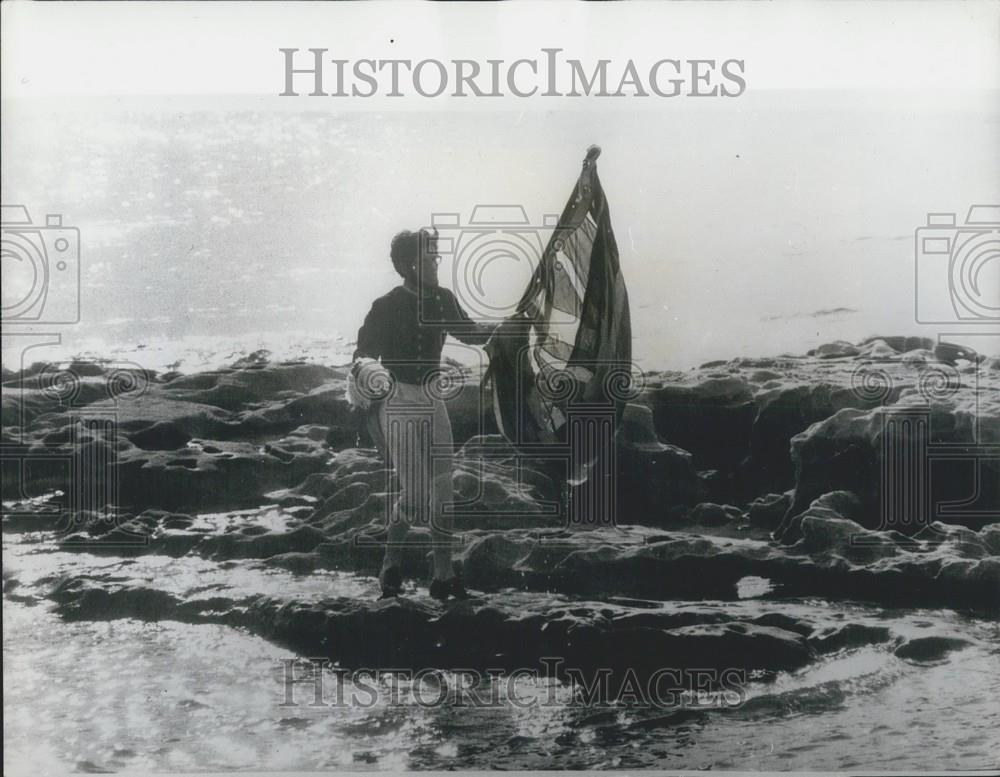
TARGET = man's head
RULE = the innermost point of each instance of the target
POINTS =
(415, 257)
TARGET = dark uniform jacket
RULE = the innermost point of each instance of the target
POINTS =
(407, 331)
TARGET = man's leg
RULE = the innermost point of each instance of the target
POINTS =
(396, 537)
(442, 494)
(400, 449)
(419, 442)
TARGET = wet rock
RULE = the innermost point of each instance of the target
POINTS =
(652, 476)
(918, 356)
(950, 353)
(673, 564)
(86, 766)
(224, 425)
(713, 486)
(878, 350)
(835, 505)
(235, 474)
(263, 434)
(264, 544)
(494, 489)
(108, 532)
(930, 649)
(708, 514)
(236, 389)
(80, 598)
(763, 376)
(789, 410)
(31, 515)
(841, 537)
(838, 504)
(86, 369)
(742, 644)
(821, 530)
(353, 506)
(836, 350)
(471, 411)
(974, 544)
(834, 558)
(784, 362)
(10, 581)
(26, 403)
(787, 622)
(255, 360)
(767, 511)
(901, 343)
(712, 418)
(849, 635)
(497, 488)
(493, 561)
(990, 537)
(326, 405)
(162, 436)
(853, 448)
(509, 632)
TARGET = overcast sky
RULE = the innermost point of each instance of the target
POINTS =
(224, 48)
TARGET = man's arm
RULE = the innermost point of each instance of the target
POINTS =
(463, 328)
(371, 336)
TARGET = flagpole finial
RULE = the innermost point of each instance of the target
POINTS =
(592, 153)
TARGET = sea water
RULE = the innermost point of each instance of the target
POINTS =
(124, 694)
(211, 228)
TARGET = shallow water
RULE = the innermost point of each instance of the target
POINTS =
(124, 694)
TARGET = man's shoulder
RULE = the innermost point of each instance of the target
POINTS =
(446, 296)
(391, 297)
(400, 296)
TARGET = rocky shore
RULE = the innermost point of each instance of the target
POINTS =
(754, 472)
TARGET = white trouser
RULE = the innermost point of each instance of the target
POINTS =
(419, 445)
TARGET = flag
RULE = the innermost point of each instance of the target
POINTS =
(568, 346)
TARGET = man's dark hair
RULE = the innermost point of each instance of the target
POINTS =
(406, 247)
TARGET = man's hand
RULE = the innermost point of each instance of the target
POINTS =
(508, 327)
(369, 381)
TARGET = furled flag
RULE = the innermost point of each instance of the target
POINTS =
(568, 347)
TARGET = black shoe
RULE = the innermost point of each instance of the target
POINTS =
(442, 589)
(392, 583)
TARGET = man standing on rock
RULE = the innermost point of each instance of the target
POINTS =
(406, 330)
